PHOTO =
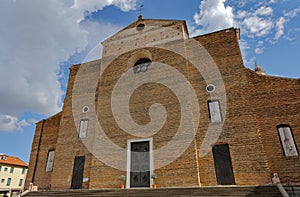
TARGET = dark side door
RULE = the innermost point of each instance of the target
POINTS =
(223, 165)
(77, 176)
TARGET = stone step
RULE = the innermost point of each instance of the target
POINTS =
(293, 191)
(237, 191)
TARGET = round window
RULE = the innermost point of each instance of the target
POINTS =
(210, 88)
(85, 109)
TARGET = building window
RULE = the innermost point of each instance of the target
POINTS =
(3, 157)
(210, 88)
(142, 65)
(12, 170)
(8, 182)
(20, 182)
(287, 140)
(83, 128)
(50, 161)
(214, 111)
(0, 168)
(140, 27)
(2, 180)
(5, 169)
(23, 170)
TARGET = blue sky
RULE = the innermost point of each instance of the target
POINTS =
(40, 39)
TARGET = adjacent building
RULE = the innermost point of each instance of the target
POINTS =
(161, 102)
(12, 174)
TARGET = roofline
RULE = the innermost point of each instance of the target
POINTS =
(13, 164)
(10, 164)
(49, 117)
(230, 28)
(272, 76)
(183, 21)
(149, 19)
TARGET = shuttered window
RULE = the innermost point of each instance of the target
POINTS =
(8, 182)
(214, 111)
(83, 128)
(50, 160)
(20, 182)
(287, 140)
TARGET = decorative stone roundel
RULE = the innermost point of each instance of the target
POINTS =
(210, 88)
(85, 109)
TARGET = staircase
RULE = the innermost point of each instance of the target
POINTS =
(236, 191)
(293, 191)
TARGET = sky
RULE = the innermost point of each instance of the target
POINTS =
(39, 40)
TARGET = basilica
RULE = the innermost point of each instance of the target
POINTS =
(162, 108)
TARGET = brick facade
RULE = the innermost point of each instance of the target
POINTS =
(45, 139)
(255, 105)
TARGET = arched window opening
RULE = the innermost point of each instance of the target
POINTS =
(142, 65)
(140, 27)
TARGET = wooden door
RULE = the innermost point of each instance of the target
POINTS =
(78, 168)
(223, 165)
(140, 164)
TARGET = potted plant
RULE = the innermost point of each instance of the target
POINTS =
(153, 177)
(122, 178)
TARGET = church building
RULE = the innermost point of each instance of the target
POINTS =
(161, 107)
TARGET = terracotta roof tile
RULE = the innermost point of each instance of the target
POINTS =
(10, 160)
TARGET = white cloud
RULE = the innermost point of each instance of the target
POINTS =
(264, 11)
(94, 5)
(259, 47)
(251, 3)
(244, 48)
(259, 50)
(242, 3)
(87, 7)
(293, 13)
(255, 23)
(36, 37)
(10, 123)
(214, 15)
(258, 20)
(96, 35)
(258, 26)
(280, 27)
(241, 14)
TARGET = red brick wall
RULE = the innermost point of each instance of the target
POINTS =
(68, 144)
(255, 105)
(277, 101)
(240, 130)
(45, 139)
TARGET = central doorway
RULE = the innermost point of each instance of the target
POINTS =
(139, 164)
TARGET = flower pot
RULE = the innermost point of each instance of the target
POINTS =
(153, 185)
(122, 186)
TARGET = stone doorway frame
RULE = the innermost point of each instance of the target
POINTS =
(129, 142)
